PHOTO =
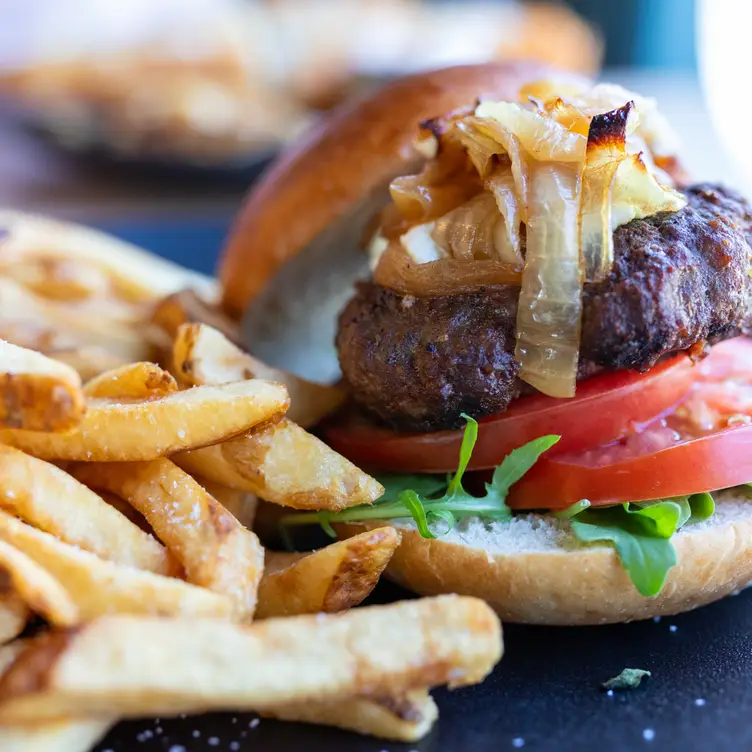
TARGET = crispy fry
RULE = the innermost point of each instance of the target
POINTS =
(60, 736)
(36, 392)
(133, 381)
(286, 465)
(134, 666)
(134, 273)
(216, 551)
(99, 587)
(93, 324)
(331, 579)
(400, 719)
(88, 361)
(202, 355)
(37, 588)
(50, 499)
(113, 431)
(14, 614)
(240, 504)
(187, 307)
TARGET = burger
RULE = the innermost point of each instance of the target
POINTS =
(542, 325)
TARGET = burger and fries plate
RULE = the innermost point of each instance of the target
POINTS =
(145, 454)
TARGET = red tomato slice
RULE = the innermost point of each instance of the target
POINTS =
(605, 408)
(718, 460)
(703, 445)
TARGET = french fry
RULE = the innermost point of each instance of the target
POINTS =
(331, 579)
(50, 499)
(132, 381)
(217, 552)
(60, 736)
(202, 355)
(188, 307)
(88, 326)
(100, 587)
(240, 504)
(37, 588)
(134, 273)
(88, 361)
(114, 431)
(36, 392)
(286, 465)
(14, 614)
(401, 719)
(131, 666)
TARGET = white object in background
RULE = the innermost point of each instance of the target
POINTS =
(724, 29)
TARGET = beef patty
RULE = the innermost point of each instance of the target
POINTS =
(678, 279)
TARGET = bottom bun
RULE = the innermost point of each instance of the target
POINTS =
(533, 570)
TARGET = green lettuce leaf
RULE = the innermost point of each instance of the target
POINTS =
(416, 496)
(641, 534)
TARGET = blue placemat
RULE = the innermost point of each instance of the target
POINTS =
(192, 242)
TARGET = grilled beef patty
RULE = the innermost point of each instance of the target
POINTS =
(678, 279)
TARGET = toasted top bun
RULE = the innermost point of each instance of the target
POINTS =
(533, 570)
(349, 156)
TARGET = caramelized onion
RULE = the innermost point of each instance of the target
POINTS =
(442, 185)
(540, 136)
(505, 142)
(468, 232)
(550, 304)
(606, 148)
(445, 277)
(502, 187)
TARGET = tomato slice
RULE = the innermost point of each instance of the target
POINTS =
(718, 460)
(704, 444)
(605, 408)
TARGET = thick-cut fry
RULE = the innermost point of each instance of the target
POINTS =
(14, 614)
(135, 274)
(187, 307)
(400, 719)
(331, 579)
(100, 587)
(37, 588)
(216, 551)
(285, 464)
(88, 361)
(202, 355)
(133, 381)
(148, 666)
(113, 431)
(92, 325)
(240, 504)
(60, 736)
(36, 392)
(50, 499)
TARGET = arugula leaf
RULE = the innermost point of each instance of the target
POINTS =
(425, 485)
(420, 502)
(629, 678)
(641, 534)
(646, 559)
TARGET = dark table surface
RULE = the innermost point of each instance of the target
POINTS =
(544, 696)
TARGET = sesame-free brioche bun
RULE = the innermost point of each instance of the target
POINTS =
(533, 570)
(345, 159)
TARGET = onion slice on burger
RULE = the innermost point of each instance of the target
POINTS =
(550, 304)
(502, 186)
(396, 270)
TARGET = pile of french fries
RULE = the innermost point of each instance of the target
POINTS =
(135, 439)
